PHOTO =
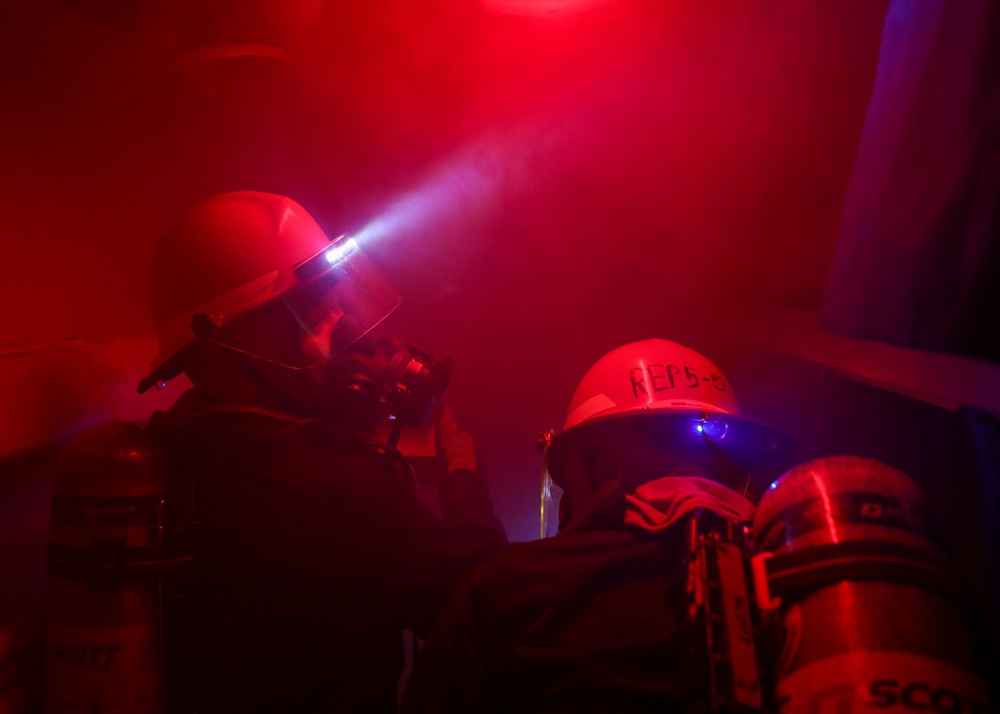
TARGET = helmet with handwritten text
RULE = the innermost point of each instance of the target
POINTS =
(665, 396)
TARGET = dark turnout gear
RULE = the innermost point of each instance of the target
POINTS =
(312, 553)
(599, 617)
(589, 620)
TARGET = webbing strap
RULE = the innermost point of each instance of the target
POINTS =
(114, 562)
(778, 575)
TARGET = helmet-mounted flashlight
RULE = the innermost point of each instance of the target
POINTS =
(326, 262)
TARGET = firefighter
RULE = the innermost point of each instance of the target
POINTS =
(312, 550)
(595, 618)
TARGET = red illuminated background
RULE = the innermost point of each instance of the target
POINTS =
(542, 181)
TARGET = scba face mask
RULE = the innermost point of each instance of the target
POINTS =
(380, 376)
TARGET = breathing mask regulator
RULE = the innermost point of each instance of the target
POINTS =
(368, 373)
(385, 376)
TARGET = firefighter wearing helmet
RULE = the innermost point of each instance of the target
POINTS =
(654, 454)
(312, 552)
(651, 409)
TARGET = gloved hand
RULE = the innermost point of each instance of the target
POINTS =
(457, 446)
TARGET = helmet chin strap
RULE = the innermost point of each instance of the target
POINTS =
(285, 387)
(578, 487)
(228, 374)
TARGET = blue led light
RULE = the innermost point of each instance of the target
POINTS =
(713, 429)
(774, 484)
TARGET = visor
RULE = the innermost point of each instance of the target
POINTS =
(339, 297)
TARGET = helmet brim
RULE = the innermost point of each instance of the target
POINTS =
(693, 434)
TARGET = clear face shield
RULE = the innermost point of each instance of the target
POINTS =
(551, 494)
(551, 491)
(340, 298)
(332, 323)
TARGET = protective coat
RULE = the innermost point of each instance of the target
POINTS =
(313, 553)
(588, 620)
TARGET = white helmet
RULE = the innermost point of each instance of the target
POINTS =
(666, 390)
(238, 251)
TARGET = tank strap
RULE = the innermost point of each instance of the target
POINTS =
(112, 563)
(850, 508)
(778, 575)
